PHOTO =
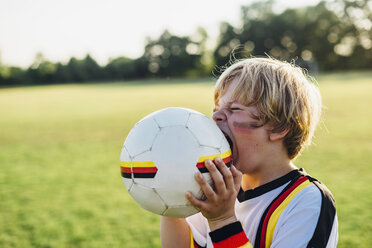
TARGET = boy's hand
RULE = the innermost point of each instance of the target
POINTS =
(218, 208)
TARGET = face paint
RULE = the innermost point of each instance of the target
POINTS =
(245, 127)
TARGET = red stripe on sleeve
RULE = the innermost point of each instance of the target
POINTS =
(234, 241)
(229, 236)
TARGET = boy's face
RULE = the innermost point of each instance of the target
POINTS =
(249, 137)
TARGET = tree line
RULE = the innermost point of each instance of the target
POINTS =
(333, 35)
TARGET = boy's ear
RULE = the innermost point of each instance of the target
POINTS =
(278, 135)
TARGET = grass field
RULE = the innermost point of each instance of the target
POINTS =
(60, 183)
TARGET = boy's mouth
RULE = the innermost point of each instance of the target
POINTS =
(231, 144)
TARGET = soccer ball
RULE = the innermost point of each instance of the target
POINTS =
(161, 155)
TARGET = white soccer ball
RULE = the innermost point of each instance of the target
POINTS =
(161, 155)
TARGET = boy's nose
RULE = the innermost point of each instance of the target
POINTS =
(219, 116)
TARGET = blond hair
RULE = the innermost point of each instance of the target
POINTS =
(284, 95)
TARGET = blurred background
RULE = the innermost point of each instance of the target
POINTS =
(75, 76)
(44, 42)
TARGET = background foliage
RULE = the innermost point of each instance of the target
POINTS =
(333, 35)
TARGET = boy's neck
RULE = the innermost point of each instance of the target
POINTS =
(266, 174)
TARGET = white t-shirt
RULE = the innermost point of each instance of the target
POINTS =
(292, 211)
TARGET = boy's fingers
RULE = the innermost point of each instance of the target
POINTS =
(205, 187)
(225, 171)
(194, 201)
(216, 176)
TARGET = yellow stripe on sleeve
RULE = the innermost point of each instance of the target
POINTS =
(247, 245)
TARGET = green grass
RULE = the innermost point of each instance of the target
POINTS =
(60, 184)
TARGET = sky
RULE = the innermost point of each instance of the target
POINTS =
(105, 28)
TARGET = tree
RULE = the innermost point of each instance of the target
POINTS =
(82, 70)
(41, 70)
(355, 42)
(318, 34)
(121, 68)
(62, 74)
(171, 55)
(91, 69)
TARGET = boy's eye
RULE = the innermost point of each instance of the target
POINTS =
(234, 109)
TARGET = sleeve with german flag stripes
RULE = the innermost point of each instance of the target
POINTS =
(229, 236)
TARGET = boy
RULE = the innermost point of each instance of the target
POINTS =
(268, 110)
